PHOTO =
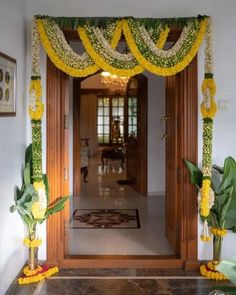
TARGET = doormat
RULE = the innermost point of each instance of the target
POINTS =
(105, 218)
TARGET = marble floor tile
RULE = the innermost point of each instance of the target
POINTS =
(112, 286)
(103, 192)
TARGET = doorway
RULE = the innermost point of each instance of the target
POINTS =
(181, 219)
(112, 204)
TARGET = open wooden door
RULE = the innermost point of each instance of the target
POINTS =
(137, 133)
(171, 142)
(181, 143)
(57, 158)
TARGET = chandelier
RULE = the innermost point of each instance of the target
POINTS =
(114, 81)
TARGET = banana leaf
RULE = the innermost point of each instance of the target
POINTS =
(45, 181)
(195, 173)
(228, 268)
(26, 174)
(57, 206)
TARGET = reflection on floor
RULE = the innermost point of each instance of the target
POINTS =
(103, 192)
(121, 282)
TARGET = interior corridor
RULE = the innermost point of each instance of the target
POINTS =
(145, 235)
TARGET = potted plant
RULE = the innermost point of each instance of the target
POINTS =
(222, 210)
(34, 208)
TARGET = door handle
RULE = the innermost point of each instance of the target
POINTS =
(164, 136)
(163, 127)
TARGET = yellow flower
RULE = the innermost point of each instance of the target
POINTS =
(39, 207)
(28, 272)
(163, 37)
(205, 209)
(205, 238)
(219, 232)
(212, 273)
(35, 85)
(38, 277)
(38, 113)
(57, 61)
(34, 243)
(209, 113)
(210, 84)
(160, 70)
(102, 63)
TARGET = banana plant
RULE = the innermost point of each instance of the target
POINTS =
(26, 196)
(223, 212)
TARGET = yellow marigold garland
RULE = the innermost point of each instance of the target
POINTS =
(163, 37)
(209, 83)
(28, 272)
(209, 113)
(209, 271)
(57, 61)
(38, 277)
(219, 232)
(39, 207)
(159, 70)
(102, 63)
(32, 244)
(205, 238)
(35, 85)
(38, 113)
(206, 184)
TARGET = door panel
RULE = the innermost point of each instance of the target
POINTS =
(136, 110)
(181, 143)
(57, 156)
(172, 222)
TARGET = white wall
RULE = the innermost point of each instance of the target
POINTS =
(225, 62)
(12, 144)
(156, 146)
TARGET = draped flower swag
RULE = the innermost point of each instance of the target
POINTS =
(146, 43)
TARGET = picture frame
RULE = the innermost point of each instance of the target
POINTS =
(7, 85)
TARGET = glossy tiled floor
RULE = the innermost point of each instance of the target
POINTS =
(103, 192)
(120, 282)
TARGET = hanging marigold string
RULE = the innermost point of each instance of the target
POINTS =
(164, 62)
(146, 40)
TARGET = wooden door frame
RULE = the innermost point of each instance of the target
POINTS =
(56, 229)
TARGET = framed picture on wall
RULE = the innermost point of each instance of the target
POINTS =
(7, 85)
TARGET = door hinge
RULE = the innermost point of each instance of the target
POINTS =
(66, 121)
(65, 174)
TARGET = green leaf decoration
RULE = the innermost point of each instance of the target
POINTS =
(27, 175)
(12, 208)
(219, 169)
(229, 176)
(228, 268)
(28, 154)
(18, 193)
(23, 205)
(45, 181)
(195, 173)
(57, 206)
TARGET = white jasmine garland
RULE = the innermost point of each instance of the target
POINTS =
(63, 49)
(209, 66)
(35, 49)
(170, 52)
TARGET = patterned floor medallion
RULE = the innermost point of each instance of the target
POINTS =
(105, 218)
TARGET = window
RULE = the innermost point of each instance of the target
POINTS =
(103, 120)
(132, 116)
(110, 119)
